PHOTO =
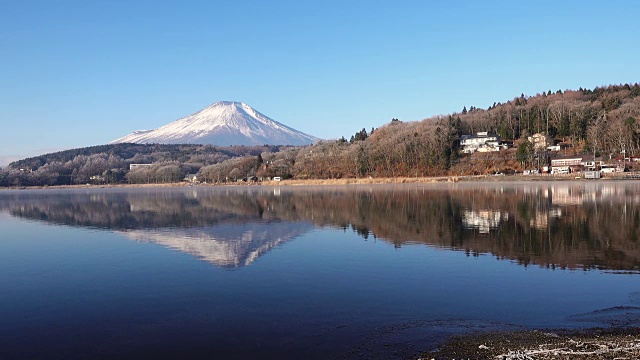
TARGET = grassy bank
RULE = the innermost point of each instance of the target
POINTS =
(352, 181)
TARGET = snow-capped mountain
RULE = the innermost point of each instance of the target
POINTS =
(223, 123)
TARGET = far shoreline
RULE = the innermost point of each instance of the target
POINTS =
(498, 178)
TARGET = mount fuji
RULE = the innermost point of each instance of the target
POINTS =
(223, 123)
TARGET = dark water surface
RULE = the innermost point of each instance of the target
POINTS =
(309, 272)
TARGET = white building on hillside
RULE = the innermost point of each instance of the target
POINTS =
(482, 142)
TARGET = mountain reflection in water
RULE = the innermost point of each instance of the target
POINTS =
(568, 225)
(226, 246)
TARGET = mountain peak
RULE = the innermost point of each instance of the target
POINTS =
(222, 123)
(227, 103)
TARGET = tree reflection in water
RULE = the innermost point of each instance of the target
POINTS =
(582, 225)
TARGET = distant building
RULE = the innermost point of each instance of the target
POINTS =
(567, 164)
(540, 141)
(567, 161)
(135, 166)
(590, 164)
(192, 178)
(592, 175)
(482, 142)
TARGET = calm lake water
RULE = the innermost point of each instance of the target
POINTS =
(309, 272)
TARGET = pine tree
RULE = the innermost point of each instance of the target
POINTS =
(525, 149)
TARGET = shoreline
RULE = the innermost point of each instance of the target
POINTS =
(587, 343)
(350, 181)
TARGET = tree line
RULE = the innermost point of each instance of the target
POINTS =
(110, 164)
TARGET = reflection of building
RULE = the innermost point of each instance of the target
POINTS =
(483, 220)
(482, 142)
(541, 219)
(571, 195)
(567, 196)
(231, 227)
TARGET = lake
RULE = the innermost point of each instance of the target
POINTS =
(366, 271)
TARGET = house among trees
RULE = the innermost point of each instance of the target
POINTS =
(540, 141)
(138, 166)
(481, 142)
(97, 178)
(192, 178)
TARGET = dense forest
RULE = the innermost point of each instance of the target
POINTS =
(602, 122)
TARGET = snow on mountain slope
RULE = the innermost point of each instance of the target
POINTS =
(223, 123)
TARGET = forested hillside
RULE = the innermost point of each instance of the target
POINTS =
(110, 164)
(604, 121)
(606, 117)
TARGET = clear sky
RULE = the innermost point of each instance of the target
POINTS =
(82, 73)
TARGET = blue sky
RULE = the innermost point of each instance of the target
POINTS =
(82, 73)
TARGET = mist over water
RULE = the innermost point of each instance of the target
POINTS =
(273, 272)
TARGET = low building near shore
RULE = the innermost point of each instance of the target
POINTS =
(192, 178)
(572, 164)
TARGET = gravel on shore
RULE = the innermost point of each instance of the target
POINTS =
(594, 343)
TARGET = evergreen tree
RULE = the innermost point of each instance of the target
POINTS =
(524, 151)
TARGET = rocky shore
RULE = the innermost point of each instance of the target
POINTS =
(595, 343)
